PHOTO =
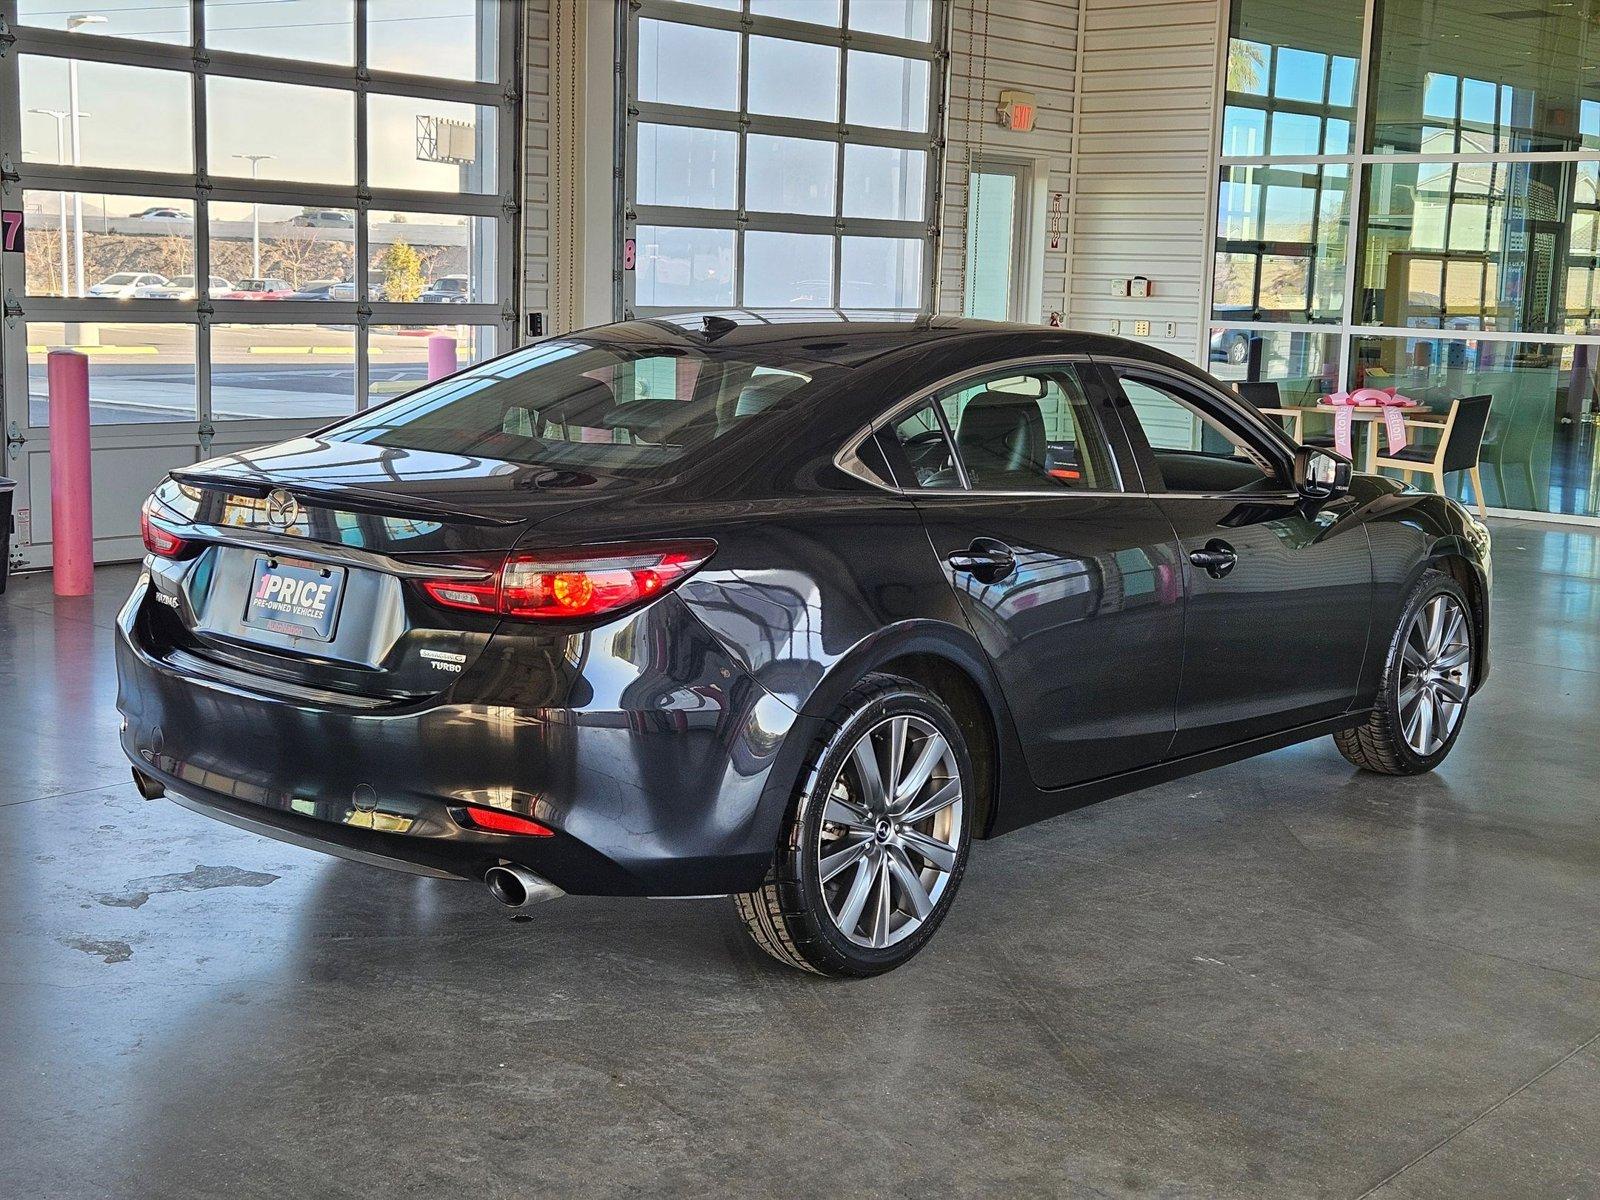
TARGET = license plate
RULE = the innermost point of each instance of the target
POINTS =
(300, 599)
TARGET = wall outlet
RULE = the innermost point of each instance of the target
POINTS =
(1116, 327)
(1141, 329)
(1172, 329)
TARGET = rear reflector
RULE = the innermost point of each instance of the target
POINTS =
(159, 540)
(499, 821)
(587, 582)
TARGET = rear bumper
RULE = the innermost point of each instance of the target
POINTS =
(649, 801)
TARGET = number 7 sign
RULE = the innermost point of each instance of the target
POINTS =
(11, 229)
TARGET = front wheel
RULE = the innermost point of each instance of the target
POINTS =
(877, 836)
(1427, 681)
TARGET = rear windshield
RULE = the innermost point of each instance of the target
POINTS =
(568, 404)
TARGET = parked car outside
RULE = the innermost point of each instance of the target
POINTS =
(447, 289)
(182, 287)
(317, 289)
(797, 628)
(125, 285)
(260, 289)
(346, 289)
(324, 218)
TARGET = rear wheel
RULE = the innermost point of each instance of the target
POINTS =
(1427, 681)
(877, 836)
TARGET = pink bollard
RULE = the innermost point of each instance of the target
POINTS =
(71, 496)
(441, 356)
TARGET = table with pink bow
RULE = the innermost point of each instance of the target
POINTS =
(1368, 405)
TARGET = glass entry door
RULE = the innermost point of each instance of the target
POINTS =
(997, 243)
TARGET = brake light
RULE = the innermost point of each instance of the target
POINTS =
(159, 540)
(587, 582)
(499, 821)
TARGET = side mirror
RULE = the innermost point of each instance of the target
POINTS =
(1320, 475)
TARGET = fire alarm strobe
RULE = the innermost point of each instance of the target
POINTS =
(1017, 111)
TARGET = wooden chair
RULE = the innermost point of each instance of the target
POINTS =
(1265, 396)
(1460, 440)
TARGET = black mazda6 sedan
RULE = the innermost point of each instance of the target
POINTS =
(787, 610)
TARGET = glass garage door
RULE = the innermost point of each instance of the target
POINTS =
(251, 218)
(781, 154)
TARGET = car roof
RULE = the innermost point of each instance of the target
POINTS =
(851, 339)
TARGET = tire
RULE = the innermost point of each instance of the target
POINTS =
(1392, 741)
(1238, 351)
(861, 914)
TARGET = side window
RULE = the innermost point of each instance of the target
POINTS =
(1193, 450)
(926, 448)
(1028, 433)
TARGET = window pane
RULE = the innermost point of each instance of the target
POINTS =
(788, 270)
(880, 273)
(1537, 453)
(430, 145)
(664, 48)
(1281, 233)
(156, 134)
(308, 30)
(794, 79)
(274, 251)
(926, 447)
(1209, 457)
(1291, 81)
(1303, 363)
(1474, 245)
(137, 373)
(277, 371)
(452, 39)
(880, 181)
(397, 355)
(1440, 86)
(145, 20)
(897, 18)
(282, 130)
(1020, 433)
(683, 268)
(692, 168)
(791, 175)
(134, 247)
(814, 12)
(991, 234)
(887, 92)
(430, 257)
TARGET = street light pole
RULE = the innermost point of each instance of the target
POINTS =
(75, 23)
(60, 116)
(255, 214)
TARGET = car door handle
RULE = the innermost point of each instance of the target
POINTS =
(1216, 559)
(986, 559)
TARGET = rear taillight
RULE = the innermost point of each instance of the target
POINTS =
(588, 582)
(158, 539)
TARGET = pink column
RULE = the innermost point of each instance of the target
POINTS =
(441, 356)
(71, 500)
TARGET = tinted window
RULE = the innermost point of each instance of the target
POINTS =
(1193, 450)
(568, 404)
(926, 449)
(1027, 433)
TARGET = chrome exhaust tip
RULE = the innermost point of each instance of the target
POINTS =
(150, 789)
(518, 887)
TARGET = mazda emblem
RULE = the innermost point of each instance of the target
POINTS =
(283, 509)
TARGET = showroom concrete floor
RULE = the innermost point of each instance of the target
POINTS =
(1279, 979)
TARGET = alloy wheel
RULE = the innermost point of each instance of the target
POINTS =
(1435, 674)
(891, 831)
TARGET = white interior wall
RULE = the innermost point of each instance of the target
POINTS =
(1143, 176)
(1026, 45)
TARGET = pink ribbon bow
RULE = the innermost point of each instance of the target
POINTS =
(1389, 399)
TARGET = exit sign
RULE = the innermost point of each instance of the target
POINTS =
(1018, 110)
